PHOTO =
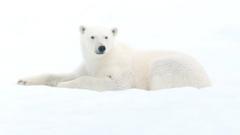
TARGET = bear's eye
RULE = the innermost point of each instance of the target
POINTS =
(92, 37)
(106, 37)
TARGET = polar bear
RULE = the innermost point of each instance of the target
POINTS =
(111, 65)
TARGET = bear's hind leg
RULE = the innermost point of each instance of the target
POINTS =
(175, 72)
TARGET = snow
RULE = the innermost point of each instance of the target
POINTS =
(42, 36)
(42, 110)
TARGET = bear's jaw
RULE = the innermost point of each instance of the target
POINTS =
(93, 56)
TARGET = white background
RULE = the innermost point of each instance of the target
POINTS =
(43, 36)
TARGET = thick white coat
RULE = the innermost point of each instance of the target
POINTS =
(121, 67)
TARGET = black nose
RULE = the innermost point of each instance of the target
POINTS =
(101, 48)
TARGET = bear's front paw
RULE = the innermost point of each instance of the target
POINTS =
(37, 81)
(24, 82)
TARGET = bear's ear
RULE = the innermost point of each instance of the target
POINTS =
(114, 31)
(82, 29)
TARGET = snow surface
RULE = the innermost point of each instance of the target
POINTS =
(48, 111)
(42, 36)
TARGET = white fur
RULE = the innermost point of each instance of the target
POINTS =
(121, 67)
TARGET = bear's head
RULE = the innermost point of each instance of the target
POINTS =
(97, 41)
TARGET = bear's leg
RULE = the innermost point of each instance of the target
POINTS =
(47, 79)
(88, 82)
(52, 79)
(174, 72)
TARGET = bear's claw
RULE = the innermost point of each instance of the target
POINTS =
(22, 82)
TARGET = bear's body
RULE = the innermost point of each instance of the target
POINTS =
(110, 65)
